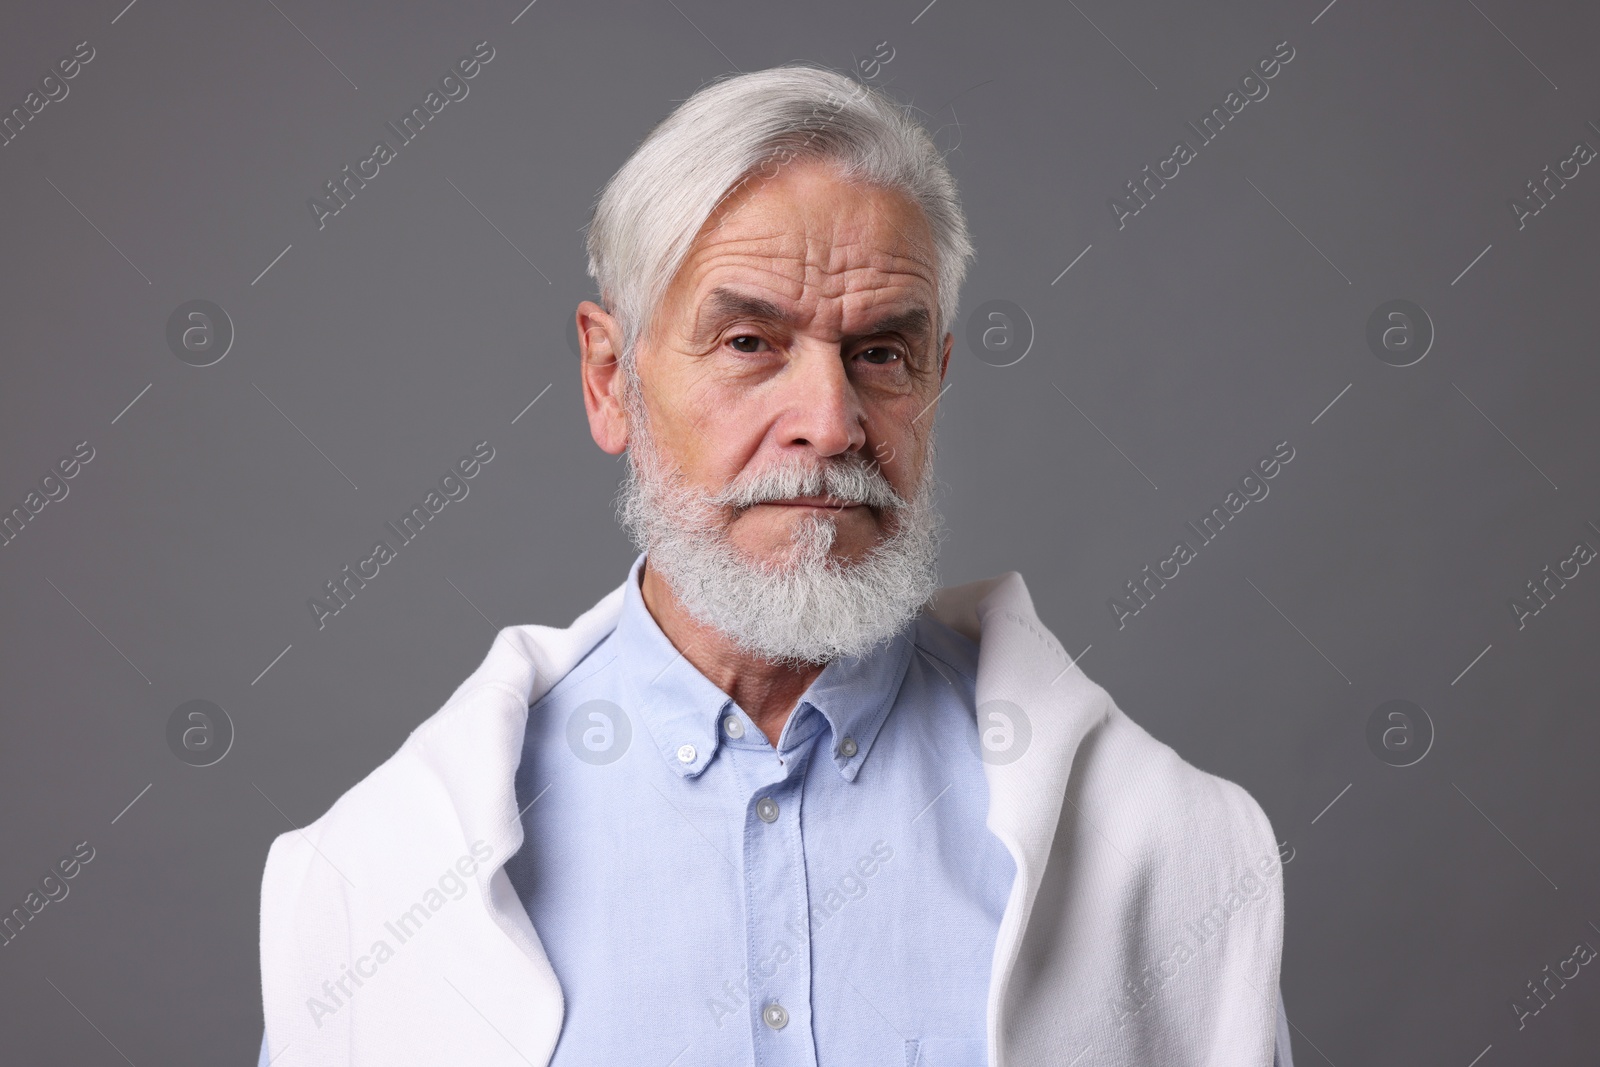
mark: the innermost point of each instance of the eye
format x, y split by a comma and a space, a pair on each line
879, 354
747, 343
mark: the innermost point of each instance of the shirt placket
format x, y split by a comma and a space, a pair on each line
778, 930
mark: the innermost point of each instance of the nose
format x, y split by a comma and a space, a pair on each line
822, 408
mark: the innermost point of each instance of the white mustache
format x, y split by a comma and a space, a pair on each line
852, 480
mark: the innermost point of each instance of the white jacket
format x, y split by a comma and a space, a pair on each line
1144, 925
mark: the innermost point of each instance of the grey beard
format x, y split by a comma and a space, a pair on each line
808, 608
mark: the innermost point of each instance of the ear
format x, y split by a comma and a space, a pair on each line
599, 345
944, 360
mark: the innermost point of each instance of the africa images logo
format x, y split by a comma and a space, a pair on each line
340, 591
453, 88
1253, 87
1253, 488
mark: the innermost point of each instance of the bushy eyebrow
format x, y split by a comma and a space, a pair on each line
722, 304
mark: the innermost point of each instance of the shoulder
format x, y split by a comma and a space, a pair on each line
455, 754
412, 796
394, 804
931, 637
1137, 783
1157, 781
1124, 760
591, 674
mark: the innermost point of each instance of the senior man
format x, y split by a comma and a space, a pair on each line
778, 799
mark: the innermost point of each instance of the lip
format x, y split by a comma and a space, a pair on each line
822, 502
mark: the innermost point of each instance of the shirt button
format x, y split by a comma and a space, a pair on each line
767, 808
847, 747
686, 754
775, 1016
733, 727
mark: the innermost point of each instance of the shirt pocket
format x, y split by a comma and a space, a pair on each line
947, 1052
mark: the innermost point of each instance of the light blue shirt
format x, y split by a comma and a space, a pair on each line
707, 899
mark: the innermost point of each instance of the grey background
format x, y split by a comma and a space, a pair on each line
1208, 329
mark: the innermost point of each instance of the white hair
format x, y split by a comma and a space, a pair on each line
741, 126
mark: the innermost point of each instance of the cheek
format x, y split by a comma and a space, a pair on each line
897, 442
711, 439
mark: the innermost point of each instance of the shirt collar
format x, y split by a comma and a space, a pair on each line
682, 709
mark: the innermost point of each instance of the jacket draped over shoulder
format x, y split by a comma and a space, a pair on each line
1144, 925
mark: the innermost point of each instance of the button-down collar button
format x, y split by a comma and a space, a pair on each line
733, 727
685, 753
775, 1016
767, 808
847, 747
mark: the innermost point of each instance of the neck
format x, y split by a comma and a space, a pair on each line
767, 691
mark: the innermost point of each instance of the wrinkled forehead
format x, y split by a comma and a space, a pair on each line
807, 238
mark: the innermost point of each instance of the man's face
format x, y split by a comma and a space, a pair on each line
800, 327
